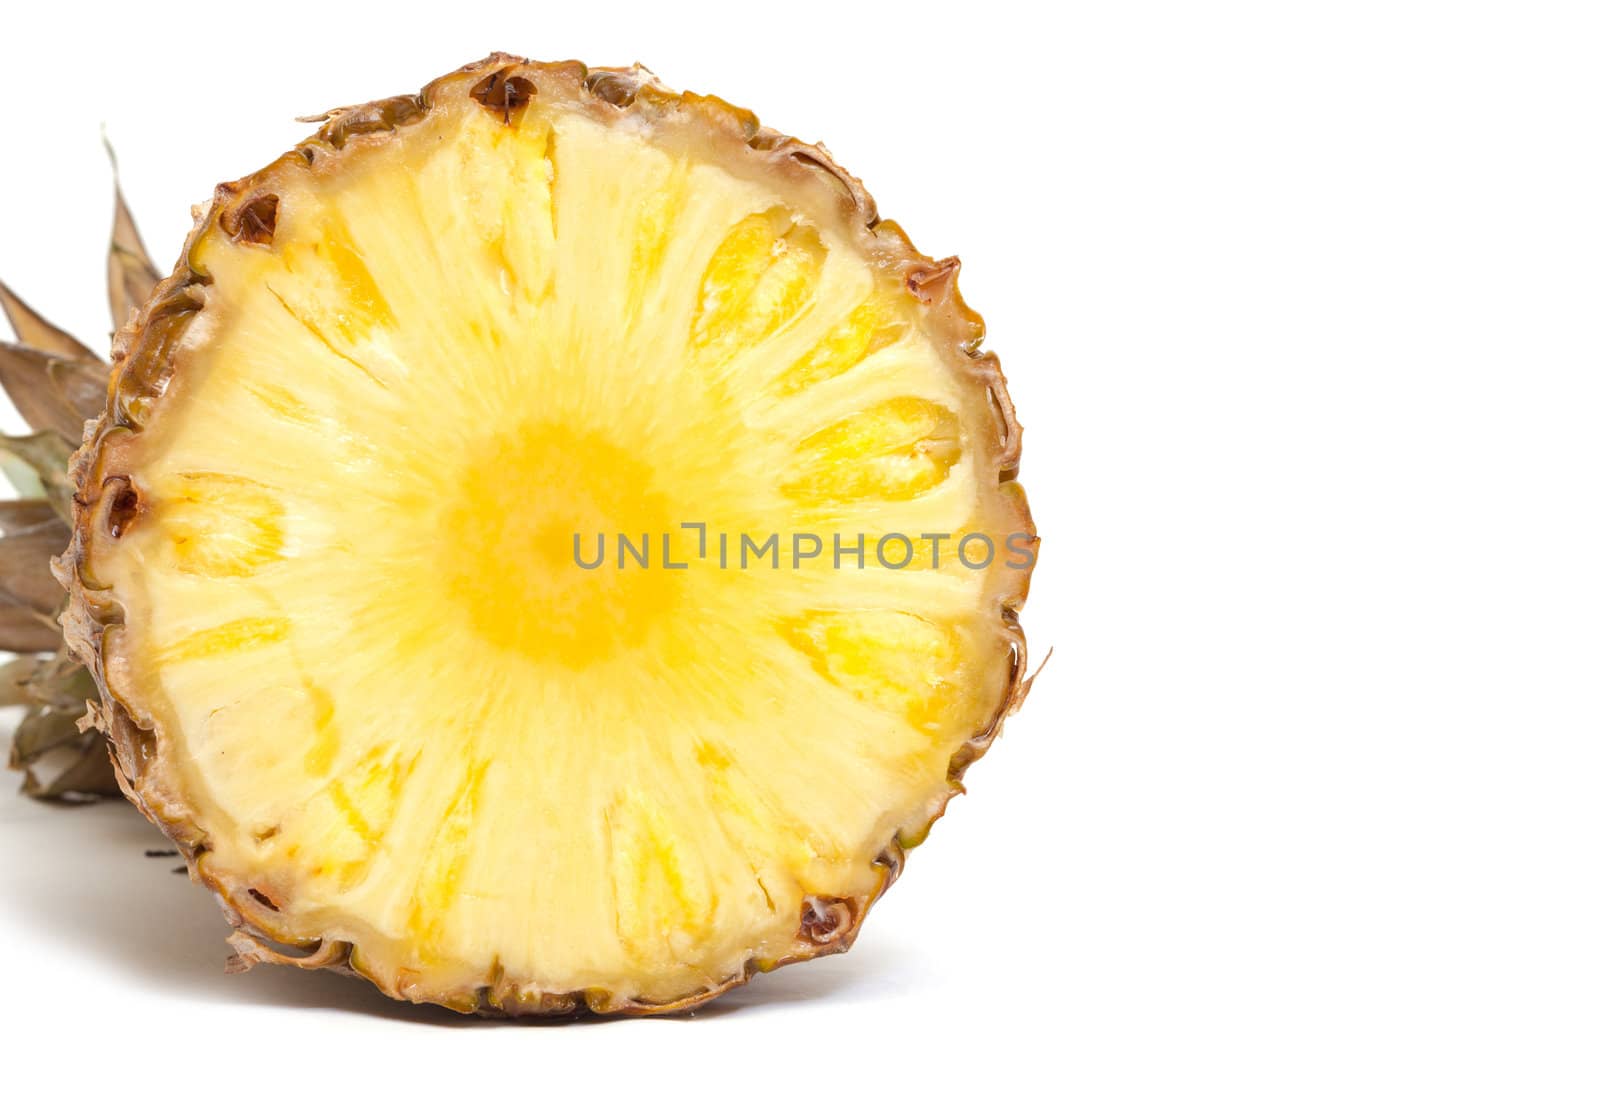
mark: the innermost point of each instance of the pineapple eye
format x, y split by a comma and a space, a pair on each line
253, 220
504, 95
519, 563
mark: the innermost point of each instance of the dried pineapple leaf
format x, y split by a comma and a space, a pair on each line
130, 274
25, 577
36, 383
81, 384
15, 677
45, 455
21, 516
22, 477
59, 683
37, 333
62, 683
85, 778
41, 731
55, 682
23, 630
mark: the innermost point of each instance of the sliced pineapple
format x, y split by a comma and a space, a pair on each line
331, 564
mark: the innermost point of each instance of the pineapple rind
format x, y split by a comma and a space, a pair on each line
143, 359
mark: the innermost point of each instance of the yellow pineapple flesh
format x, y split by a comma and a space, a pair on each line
328, 557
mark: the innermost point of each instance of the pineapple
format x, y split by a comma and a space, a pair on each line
549, 546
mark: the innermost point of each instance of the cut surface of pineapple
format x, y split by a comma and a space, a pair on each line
535, 553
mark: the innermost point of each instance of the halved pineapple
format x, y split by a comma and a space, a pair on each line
334, 564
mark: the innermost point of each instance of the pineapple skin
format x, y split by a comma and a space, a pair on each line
105, 502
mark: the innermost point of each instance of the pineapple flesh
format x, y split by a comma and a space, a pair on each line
326, 560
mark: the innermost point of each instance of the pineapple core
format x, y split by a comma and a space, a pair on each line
434, 377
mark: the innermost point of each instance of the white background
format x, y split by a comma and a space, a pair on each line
1298, 303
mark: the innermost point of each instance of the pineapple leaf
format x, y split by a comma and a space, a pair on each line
37, 463
86, 778
23, 630
130, 274
30, 514
15, 677
34, 331
81, 384
25, 577
41, 731
36, 382
63, 683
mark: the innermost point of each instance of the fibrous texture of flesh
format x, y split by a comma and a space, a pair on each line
324, 565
